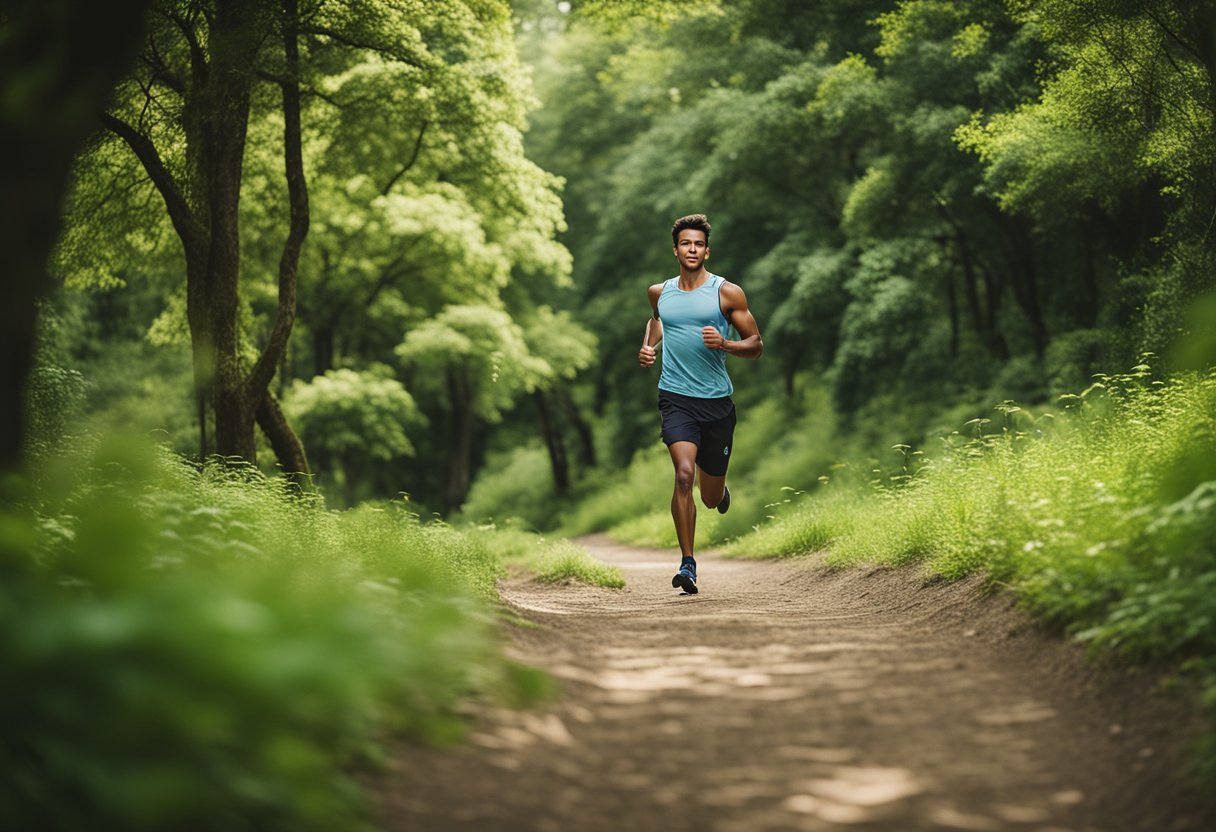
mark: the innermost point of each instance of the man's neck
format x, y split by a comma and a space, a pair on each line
693, 279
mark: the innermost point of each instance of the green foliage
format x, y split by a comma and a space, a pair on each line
810, 526
345, 412
477, 358
354, 423
644, 484
201, 649
516, 484
54, 396
557, 340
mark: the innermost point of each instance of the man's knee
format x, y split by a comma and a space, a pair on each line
685, 474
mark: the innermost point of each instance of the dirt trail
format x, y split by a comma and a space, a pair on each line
788, 697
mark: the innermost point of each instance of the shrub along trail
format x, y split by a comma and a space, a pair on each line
787, 696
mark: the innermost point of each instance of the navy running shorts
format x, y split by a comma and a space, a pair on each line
707, 423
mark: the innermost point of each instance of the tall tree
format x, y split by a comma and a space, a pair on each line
59, 60
206, 58
476, 362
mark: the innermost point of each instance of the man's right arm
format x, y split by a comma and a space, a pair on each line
654, 328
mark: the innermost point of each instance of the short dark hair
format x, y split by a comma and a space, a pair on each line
696, 221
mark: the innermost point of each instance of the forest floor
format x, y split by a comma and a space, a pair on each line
787, 696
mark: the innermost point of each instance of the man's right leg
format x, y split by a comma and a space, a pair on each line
684, 512
683, 507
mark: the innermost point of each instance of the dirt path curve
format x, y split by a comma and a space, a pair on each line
788, 697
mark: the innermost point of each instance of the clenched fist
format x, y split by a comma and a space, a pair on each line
646, 356
713, 339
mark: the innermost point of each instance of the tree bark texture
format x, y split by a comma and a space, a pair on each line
222, 128
54, 79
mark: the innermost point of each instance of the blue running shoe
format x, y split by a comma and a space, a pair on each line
724, 505
686, 578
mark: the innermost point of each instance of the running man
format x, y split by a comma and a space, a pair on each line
690, 314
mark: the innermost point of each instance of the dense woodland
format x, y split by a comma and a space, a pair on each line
411, 239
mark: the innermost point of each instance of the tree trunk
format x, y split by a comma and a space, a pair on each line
258, 381
971, 292
53, 95
286, 444
1090, 295
216, 109
952, 308
983, 316
554, 442
224, 123
992, 302
201, 411
202, 345
586, 437
1024, 279
463, 421
322, 349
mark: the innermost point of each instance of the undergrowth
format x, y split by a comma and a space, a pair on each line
206, 649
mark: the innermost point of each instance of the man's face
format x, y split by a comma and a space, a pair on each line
691, 248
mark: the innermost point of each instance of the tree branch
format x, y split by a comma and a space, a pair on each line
160, 68
297, 191
183, 218
1174, 36
355, 43
413, 158
198, 58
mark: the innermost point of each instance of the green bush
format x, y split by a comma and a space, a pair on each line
516, 484
204, 650
356, 425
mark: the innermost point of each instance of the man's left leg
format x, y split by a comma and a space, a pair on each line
713, 458
713, 489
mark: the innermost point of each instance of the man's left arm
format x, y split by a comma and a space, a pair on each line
750, 345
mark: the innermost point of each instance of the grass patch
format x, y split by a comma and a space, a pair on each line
549, 561
801, 526
566, 561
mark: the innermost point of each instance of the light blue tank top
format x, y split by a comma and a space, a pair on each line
689, 367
